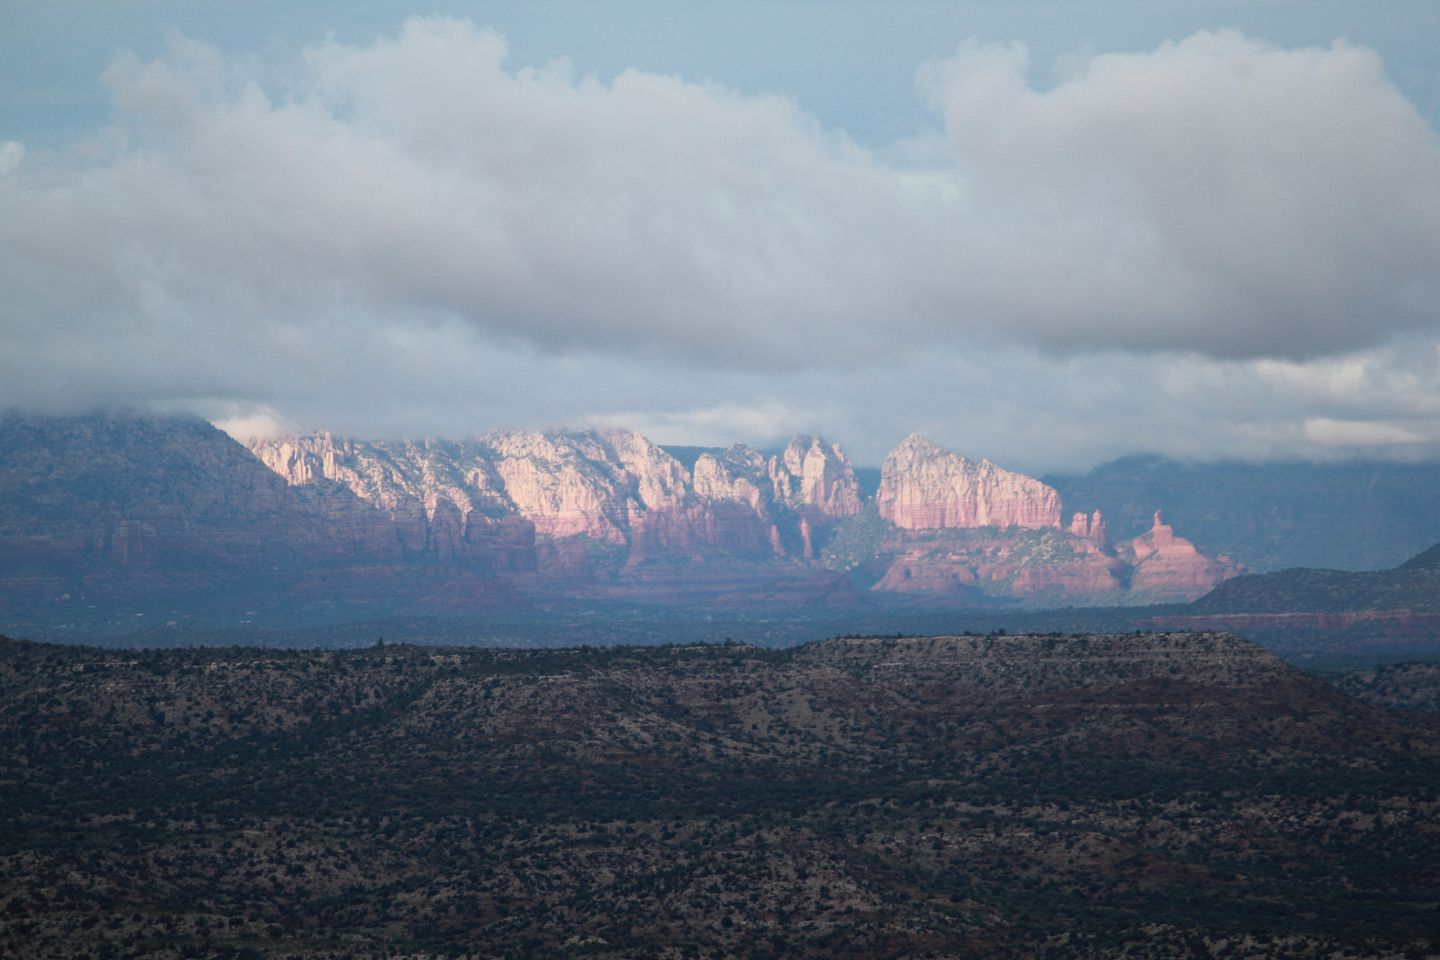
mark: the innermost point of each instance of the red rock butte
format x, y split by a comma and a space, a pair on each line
924, 487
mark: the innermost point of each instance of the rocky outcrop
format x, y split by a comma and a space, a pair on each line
607, 487
1170, 568
590, 512
607, 501
923, 487
1051, 566
815, 480
397, 477
1037, 566
566, 484
738, 473
1090, 528
444, 498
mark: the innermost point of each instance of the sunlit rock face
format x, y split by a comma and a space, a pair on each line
1007, 564
565, 484
815, 479
923, 487
600, 504
444, 497
1169, 567
1090, 527
612, 486
735, 484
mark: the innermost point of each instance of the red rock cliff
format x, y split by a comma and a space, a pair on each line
923, 487
1170, 568
815, 479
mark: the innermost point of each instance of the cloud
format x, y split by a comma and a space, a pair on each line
1216, 195
768, 423
11, 154
416, 236
1367, 433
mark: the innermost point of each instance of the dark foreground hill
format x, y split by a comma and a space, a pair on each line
1142, 795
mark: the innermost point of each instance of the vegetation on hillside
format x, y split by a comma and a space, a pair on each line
1146, 795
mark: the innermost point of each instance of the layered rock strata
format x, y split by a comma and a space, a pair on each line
815, 479
923, 487
444, 498
611, 486
1167, 566
130, 497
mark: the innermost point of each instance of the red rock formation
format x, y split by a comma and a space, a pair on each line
613, 486
1036, 565
736, 485
923, 487
1053, 566
565, 484
1090, 527
444, 498
168, 501
814, 479
619, 487
738, 473
1171, 568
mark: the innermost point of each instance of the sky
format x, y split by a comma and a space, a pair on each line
1046, 233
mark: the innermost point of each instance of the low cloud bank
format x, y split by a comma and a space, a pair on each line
414, 235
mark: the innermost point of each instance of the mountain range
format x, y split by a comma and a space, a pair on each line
110, 508
117, 524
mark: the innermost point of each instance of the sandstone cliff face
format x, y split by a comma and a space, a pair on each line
612, 500
610, 487
444, 498
1052, 566
396, 477
1171, 568
591, 511
667, 513
617, 486
1090, 528
566, 484
656, 480
1045, 565
735, 486
738, 474
814, 479
923, 487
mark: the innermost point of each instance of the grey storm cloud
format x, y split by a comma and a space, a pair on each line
419, 221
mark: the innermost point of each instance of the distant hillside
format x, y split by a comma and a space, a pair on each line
1350, 516
1413, 586
1326, 618
111, 495
1424, 560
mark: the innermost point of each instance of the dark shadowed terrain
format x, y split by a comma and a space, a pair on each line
1157, 795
